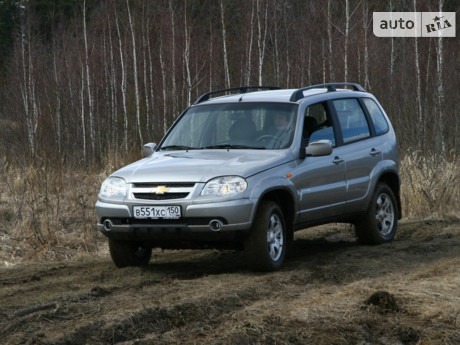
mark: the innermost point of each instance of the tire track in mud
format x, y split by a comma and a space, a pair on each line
187, 316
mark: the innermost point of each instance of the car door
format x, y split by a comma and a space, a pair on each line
320, 181
359, 149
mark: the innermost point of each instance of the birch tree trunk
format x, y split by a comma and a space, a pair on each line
58, 106
123, 86
88, 86
418, 97
152, 95
82, 108
173, 59
309, 63
440, 69
392, 64
136, 80
287, 22
261, 37
113, 92
251, 38
25, 98
224, 42
187, 57
329, 38
276, 63
347, 30
323, 54
163, 79
367, 84
210, 56
145, 68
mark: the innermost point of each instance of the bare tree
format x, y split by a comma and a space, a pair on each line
261, 36
173, 58
347, 32
163, 78
329, 38
187, 56
88, 86
136, 81
251, 38
123, 85
27, 96
418, 97
366, 23
224, 42
440, 70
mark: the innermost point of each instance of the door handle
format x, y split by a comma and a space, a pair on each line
337, 160
374, 152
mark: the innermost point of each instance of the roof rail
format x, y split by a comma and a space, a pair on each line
241, 89
298, 94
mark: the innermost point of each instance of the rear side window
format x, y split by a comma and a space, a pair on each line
352, 120
377, 117
317, 125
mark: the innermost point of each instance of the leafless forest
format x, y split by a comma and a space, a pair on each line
79, 99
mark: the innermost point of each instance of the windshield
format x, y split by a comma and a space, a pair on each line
234, 126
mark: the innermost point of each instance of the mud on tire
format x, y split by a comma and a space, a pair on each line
265, 246
380, 222
127, 253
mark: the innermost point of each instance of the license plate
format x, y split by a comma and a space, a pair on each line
157, 212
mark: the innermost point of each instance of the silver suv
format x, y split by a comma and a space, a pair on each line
247, 170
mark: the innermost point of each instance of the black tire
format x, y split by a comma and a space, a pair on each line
265, 246
128, 253
381, 220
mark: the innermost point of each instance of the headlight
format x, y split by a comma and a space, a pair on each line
114, 188
225, 186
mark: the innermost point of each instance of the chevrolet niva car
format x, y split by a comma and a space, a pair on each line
248, 169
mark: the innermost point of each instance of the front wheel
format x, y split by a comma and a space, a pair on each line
380, 223
265, 246
129, 253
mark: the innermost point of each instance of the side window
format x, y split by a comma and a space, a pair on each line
377, 117
317, 125
352, 119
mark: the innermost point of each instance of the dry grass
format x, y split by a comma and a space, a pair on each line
47, 210
430, 186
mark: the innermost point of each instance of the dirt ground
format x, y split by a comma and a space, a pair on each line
330, 291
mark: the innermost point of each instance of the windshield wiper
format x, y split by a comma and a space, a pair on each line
229, 146
179, 147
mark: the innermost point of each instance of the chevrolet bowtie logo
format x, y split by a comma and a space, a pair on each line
160, 190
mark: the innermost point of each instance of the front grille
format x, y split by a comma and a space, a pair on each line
166, 196
166, 184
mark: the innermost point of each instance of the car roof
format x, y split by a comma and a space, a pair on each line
282, 95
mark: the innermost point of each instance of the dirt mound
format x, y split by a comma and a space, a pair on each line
383, 300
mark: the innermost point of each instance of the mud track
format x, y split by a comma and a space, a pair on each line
330, 291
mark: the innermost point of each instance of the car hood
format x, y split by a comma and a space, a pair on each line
202, 165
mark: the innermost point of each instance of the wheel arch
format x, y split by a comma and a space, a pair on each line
285, 200
393, 181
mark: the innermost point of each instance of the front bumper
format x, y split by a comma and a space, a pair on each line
235, 215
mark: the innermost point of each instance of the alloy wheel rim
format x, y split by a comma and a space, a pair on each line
384, 214
275, 237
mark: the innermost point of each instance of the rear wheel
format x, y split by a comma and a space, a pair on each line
129, 253
265, 246
380, 223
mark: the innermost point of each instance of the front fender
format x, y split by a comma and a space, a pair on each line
272, 184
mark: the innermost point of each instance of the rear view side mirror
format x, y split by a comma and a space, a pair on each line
319, 148
148, 149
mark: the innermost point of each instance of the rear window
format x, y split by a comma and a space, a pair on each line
352, 119
377, 117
